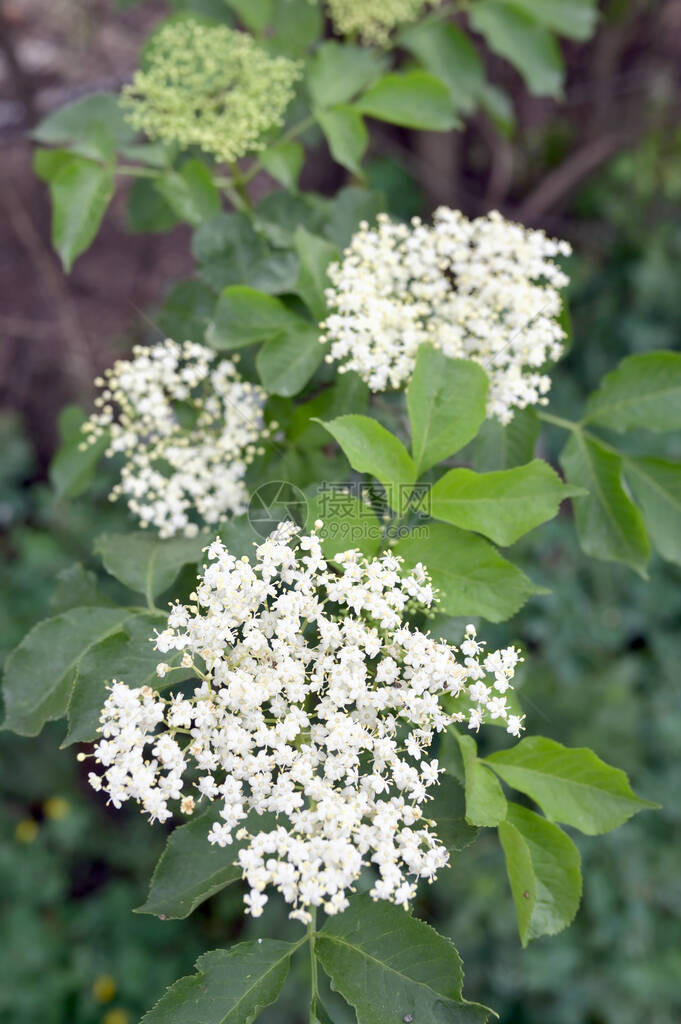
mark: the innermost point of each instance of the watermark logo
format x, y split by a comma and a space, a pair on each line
275, 502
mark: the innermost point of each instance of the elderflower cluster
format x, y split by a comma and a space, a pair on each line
188, 426
371, 21
484, 289
317, 707
209, 86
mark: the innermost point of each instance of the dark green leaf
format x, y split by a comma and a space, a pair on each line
448, 810
147, 210
76, 588
287, 361
338, 71
73, 468
146, 563
644, 391
244, 316
503, 447
187, 311
297, 25
230, 251
284, 162
315, 256
93, 126
348, 523
609, 525
346, 134
573, 18
656, 484
504, 505
39, 673
347, 209
543, 868
571, 785
232, 986
190, 192
412, 99
254, 14
514, 35
472, 577
348, 394
391, 967
446, 399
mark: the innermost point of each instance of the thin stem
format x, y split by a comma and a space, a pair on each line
558, 421
314, 984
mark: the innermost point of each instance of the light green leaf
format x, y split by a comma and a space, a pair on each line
287, 361
370, 448
543, 868
128, 656
503, 447
297, 25
504, 505
348, 394
39, 673
412, 99
190, 869
146, 563
93, 126
571, 785
73, 468
256, 15
656, 484
348, 523
232, 986
448, 810
391, 967
244, 316
315, 256
644, 391
448, 53
523, 42
338, 71
573, 18
284, 162
80, 192
485, 801
446, 399
472, 577
190, 192
609, 525
346, 134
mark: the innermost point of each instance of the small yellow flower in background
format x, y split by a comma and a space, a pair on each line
373, 21
56, 808
116, 1016
209, 86
104, 989
26, 831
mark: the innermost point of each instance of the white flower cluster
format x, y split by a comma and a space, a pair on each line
318, 704
483, 289
188, 426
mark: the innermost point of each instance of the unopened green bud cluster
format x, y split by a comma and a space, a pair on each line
209, 86
373, 22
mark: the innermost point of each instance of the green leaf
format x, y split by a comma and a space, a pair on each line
146, 563
448, 810
347, 209
190, 870
187, 311
503, 447
644, 391
485, 801
148, 211
338, 71
315, 256
446, 399
76, 588
656, 484
244, 316
573, 18
284, 162
93, 126
80, 192
448, 53
514, 35
498, 106
412, 99
391, 967
73, 468
571, 785
609, 525
504, 505
346, 134
229, 250
190, 192
256, 15
297, 25
348, 523
39, 673
370, 448
287, 361
543, 868
128, 656
472, 577
348, 394
232, 986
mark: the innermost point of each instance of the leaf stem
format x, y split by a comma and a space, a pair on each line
314, 984
558, 421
